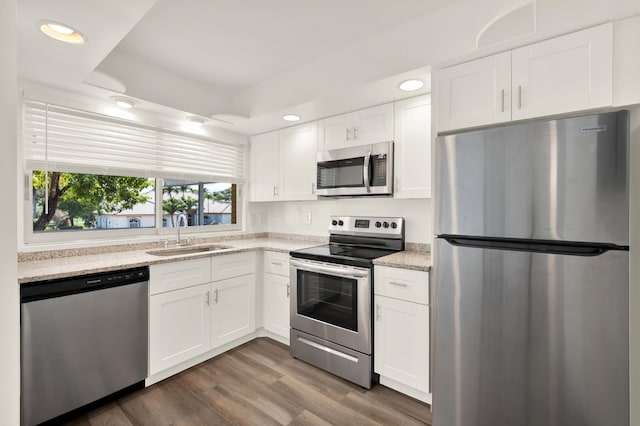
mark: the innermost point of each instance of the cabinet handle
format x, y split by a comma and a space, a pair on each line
502, 99
313, 188
288, 290
378, 315
207, 301
348, 130
355, 133
520, 97
215, 295
275, 190
397, 183
398, 284
276, 263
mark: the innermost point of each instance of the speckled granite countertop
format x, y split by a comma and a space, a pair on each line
41, 266
416, 260
68, 266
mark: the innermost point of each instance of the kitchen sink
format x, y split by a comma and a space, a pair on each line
173, 251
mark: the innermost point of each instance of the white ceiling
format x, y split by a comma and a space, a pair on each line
261, 58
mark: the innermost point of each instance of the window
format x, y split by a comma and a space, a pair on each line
77, 201
90, 172
203, 203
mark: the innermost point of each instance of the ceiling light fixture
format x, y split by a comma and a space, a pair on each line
411, 85
123, 102
62, 32
198, 121
291, 117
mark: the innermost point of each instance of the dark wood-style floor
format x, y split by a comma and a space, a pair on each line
258, 383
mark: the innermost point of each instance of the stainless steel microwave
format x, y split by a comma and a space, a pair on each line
358, 170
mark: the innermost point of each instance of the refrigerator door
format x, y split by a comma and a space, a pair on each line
564, 179
530, 339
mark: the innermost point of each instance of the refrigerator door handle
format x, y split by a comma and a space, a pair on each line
536, 246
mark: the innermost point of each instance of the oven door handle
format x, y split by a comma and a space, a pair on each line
338, 272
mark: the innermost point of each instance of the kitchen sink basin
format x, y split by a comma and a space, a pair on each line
173, 251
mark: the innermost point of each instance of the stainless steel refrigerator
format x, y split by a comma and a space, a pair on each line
531, 274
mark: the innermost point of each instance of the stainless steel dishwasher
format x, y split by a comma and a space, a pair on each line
82, 338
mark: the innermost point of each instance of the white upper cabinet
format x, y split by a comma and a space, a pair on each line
475, 93
564, 74
263, 160
298, 146
412, 156
568, 73
362, 127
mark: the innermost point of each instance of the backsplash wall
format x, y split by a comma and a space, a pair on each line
289, 217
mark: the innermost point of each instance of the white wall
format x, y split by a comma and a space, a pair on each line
288, 217
9, 299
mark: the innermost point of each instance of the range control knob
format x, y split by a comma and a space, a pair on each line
385, 224
378, 224
394, 225
340, 223
334, 222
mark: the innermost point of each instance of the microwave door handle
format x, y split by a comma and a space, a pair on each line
365, 171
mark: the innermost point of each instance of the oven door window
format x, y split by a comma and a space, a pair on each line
341, 173
328, 298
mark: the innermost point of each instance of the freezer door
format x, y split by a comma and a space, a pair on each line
564, 179
530, 339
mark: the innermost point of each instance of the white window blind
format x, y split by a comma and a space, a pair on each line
63, 139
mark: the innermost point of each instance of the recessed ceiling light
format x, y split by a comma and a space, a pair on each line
62, 32
123, 102
291, 117
410, 85
198, 121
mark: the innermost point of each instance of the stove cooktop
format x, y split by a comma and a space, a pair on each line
343, 254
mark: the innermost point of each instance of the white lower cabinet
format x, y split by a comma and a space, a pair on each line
197, 306
233, 310
179, 326
402, 342
402, 330
276, 292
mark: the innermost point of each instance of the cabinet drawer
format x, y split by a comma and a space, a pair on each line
173, 276
232, 265
403, 284
276, 263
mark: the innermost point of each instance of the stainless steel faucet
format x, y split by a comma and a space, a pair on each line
182, 217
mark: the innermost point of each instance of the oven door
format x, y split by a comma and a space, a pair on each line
332, 302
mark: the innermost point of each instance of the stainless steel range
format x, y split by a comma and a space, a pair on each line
332, 293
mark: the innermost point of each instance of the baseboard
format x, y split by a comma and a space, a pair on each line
407, 390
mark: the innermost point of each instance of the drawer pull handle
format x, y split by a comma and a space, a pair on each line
398, 284
288, 290
276, 263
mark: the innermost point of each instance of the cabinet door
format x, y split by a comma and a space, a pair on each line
298, 148
412, 150
475, 93
233, 309
373, 125
276, 304
334, 132
401, 343
564, 74
179, 326
263, 161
